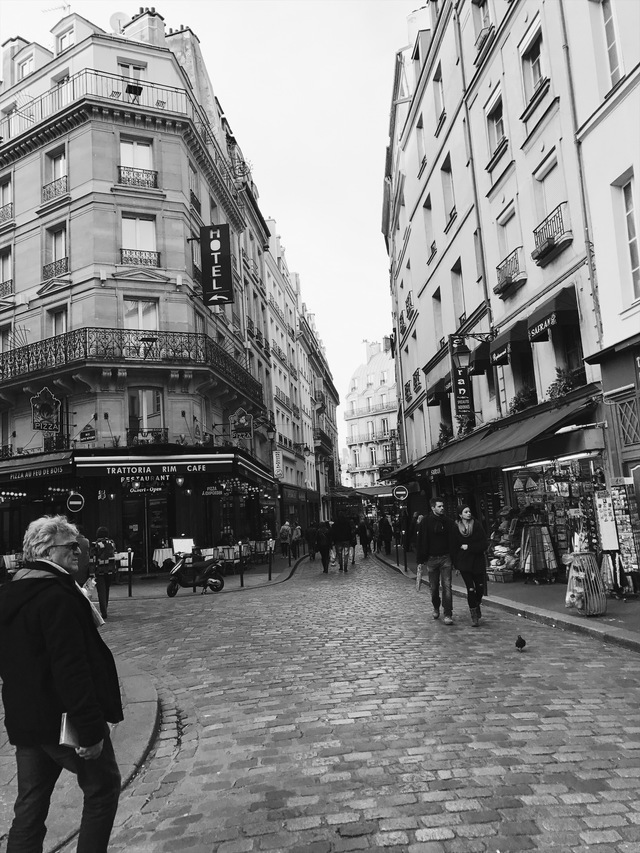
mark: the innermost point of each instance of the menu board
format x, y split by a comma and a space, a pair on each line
622, 513
606, 522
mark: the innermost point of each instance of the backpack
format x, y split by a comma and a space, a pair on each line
104, 549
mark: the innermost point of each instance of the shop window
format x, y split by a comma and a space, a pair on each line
572, 348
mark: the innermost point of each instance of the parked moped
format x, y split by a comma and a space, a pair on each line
206, 574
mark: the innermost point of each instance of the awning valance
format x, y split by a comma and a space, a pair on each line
437, 393
560, 310
480, 359
513, 340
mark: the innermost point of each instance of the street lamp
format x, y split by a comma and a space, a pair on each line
303, 447
271, 432
460, 352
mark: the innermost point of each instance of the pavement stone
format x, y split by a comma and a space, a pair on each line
332, 713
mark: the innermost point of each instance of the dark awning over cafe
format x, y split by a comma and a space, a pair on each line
437, 393
560, 310
480, 359
513, 340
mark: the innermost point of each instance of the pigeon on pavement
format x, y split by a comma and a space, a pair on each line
520, 643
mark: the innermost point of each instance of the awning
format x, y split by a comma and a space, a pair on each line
437, 393
508, 444
613, 350
514, 340
444, 456
480, 359
560, 310
402, 472
37, 466
585, 440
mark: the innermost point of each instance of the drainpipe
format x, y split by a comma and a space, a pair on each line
581, 181
474, 184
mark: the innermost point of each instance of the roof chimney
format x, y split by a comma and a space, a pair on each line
147, 27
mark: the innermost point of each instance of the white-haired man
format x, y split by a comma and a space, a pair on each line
54, 661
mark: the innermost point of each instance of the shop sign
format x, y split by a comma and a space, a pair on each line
241, 425
278, 469
502, 355
462, 392
217, 276
151, 468
45, 411
31, 473
212, 492
542, 326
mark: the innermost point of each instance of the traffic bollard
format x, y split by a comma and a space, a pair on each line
129, 569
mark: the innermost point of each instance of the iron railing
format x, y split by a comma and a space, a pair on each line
144, 435
55, 268
510, 267
391, 406
140, 257
551, 227
97, 345
6, 213
6, 288
137, 177
57, 441
55, 188
195, 201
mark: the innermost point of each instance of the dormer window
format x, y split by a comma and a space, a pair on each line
66, 40
25, 67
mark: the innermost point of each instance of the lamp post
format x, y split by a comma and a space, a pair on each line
461, 382
271, 436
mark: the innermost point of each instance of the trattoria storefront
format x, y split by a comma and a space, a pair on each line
145, 497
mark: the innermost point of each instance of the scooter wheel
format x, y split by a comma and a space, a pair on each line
172, 589
215, 583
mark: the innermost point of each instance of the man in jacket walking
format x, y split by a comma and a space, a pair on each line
54, 661
435, 545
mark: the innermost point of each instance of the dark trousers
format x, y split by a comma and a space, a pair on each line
475, 588
324, 556
387, 546
284, 547
103, 584
38, 770
440, 570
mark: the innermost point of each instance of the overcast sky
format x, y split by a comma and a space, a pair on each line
306, 86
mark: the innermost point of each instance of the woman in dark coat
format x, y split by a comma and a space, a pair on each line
469, 559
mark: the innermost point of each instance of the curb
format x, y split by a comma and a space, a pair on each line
575, 624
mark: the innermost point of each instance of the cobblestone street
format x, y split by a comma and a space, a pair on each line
332, 713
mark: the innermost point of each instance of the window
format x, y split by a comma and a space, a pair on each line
373, 455
495, 125
532, 67
199, 324
615, 69
572, 347
25, 67
438, 93
354, 385
457, 292
371, 429
428, 221
370, 379
6, 273
508, 238
61, 94
66, 40
139, 241
55, 252
57, 165
58, 321
447, 189
632, 236
383, 377
548, 188
384, 424
481, 16
194, 183
140, 314
136, 154
420, 143
383, 399
389, 455
145, 408
6, 200
131, 70
356, 457
436, 311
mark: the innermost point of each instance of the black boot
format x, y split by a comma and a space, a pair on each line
474, 617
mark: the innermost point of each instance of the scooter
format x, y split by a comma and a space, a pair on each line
188, 573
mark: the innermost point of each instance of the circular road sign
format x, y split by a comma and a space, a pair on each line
75, 502
401, 493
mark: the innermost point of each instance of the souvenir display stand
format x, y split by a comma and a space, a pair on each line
585, 587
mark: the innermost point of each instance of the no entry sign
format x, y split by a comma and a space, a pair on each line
75, 502
401, 493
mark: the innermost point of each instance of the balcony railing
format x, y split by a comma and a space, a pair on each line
115, 346
277, 309
137, 177
143, 435
510, 271
280, 353
6, 213
6, 451
282, 397
108, 88
57, 441
6, 288
55, 188
194, 201
551, 227
321, 438
140, 257
552, 235
55, 268
391, 406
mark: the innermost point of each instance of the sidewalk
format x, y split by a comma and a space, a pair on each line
132, 738
545, 603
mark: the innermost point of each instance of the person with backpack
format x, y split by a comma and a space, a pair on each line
285, 538
103, 553
322, 545
296, 539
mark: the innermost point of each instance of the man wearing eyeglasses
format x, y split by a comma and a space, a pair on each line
53, 660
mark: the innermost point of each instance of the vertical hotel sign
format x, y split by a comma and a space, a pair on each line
462, 393
217, 278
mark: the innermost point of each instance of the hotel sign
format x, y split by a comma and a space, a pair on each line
217, 276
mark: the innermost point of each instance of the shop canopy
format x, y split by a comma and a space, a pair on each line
448, 454
400, 474
480, 359
560, 310
514, 340
437, 393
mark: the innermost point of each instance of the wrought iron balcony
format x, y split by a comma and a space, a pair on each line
322, 441
57, 441
55, 268
140, 257
250, 327
144, 435
552, 236
6, 451
6, 213
137, 177
118, 346
55, 188
511, 274
6, 288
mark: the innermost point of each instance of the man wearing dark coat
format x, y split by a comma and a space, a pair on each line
54, 661
435, 547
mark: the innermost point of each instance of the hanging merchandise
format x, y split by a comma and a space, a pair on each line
606, 522
585, 588
622, 511
537, 557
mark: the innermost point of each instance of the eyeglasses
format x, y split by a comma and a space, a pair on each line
72, 546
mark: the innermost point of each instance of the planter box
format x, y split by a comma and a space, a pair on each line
500, 577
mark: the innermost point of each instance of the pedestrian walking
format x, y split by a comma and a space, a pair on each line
296, 539
54, 661
341, 538
322, 544
386, 533
103, 554
310, 535
285, 538
364, 536
435, 546
469, 559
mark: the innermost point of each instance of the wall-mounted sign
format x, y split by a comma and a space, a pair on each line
278, 469
217, 276
88, 433
45, 411
241, 425
462, 392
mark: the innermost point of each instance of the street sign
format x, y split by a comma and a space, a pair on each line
401, 493
75, 502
